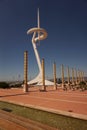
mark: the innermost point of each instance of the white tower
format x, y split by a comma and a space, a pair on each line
38, 35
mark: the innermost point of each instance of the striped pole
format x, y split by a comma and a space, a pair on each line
76, 77
79, 78
72, 76
25, 71
54, 70
83, 76
62, 72
43, 76
68, 75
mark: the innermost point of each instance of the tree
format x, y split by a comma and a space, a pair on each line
82, 85
4, 85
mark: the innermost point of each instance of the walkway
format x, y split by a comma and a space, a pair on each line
70, 103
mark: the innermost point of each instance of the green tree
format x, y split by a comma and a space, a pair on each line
82, 85
4, 85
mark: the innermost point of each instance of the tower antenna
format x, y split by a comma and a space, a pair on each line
38, 19
38, 24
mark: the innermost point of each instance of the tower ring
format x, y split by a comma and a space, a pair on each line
42, 33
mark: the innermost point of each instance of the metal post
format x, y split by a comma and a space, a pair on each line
72, 76
54, 70
25, 71
68, 75
62, 71
76, 77
83, 76
79, 76
43, 75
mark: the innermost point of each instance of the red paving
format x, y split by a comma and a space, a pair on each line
73, 101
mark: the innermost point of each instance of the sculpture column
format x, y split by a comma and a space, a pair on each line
54, 70
43, 76
68, 75
62, 71
83, 76
25, 71
76, 77
79, 77
72, 76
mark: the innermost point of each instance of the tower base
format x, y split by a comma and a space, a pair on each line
38, 81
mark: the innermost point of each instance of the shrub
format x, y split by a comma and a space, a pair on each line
16, 85
82, 85
4, 85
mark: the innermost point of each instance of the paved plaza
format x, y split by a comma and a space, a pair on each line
71, 103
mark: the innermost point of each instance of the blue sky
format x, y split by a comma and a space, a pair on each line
66, 24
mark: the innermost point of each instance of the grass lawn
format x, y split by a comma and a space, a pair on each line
58, 121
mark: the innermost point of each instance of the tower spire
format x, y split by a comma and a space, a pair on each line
38, 35
38, 19
38, 23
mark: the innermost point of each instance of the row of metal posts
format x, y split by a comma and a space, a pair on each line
75, 79
77, 76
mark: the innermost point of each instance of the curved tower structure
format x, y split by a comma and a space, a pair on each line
38, 35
